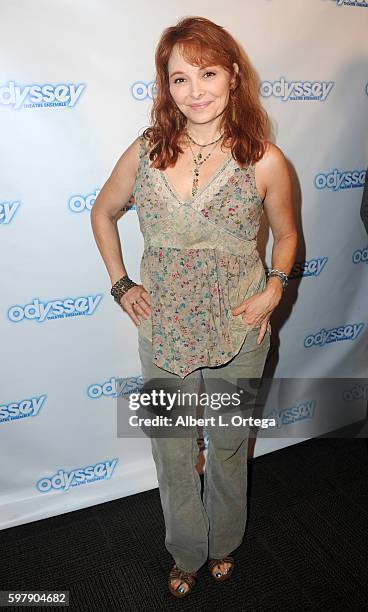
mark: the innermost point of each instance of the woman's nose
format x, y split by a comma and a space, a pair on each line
196, 90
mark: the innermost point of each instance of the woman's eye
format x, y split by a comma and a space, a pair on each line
182, 78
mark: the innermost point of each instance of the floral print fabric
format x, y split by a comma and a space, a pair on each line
199, 261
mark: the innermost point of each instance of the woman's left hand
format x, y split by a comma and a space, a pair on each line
257, 309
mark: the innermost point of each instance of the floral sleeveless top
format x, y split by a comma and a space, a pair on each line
200, 260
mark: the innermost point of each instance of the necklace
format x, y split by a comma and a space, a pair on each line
205, 145
199, 160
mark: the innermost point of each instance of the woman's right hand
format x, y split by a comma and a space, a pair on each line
136, 301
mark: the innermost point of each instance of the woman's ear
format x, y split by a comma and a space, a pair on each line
236, 70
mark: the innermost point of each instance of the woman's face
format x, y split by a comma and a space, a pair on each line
200, 93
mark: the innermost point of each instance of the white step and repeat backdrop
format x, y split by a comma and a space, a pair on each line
77, 79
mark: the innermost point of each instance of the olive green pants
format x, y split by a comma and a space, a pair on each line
212, 527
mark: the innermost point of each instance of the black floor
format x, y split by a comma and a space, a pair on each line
306, 544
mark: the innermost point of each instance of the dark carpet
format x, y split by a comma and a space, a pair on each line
305, 546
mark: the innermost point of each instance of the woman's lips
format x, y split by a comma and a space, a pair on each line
199, 106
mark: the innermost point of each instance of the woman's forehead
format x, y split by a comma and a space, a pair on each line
191, 55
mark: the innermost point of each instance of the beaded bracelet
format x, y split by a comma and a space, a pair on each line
121, 286
279, 274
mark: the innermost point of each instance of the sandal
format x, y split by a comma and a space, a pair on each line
201, 444
190, 578
219, 576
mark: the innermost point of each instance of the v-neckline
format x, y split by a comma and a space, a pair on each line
175, 193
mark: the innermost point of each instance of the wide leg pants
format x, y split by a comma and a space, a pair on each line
212, 527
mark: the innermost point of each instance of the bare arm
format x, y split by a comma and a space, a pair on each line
280, 213
107, 208
113, 196
273, 174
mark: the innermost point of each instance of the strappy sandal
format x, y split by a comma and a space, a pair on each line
190, 578
201, 444
222, 575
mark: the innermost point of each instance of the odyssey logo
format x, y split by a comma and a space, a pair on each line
40, 95
362, 3
64, 480
340, 179
7, 211
325, 336
54, 309
292, 414
79, 203
296, 90
115, 387
141, 90
313, 267
28, 407
360, 256
358, 392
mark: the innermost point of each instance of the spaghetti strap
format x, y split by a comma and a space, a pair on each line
142, 146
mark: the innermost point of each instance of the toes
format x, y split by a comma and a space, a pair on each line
179, 586
219, 571
222, 569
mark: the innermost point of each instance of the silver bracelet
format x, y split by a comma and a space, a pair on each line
279, 274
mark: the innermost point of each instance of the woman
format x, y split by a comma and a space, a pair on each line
201, 175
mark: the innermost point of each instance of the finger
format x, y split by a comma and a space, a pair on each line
262, 332
133, 316
129, 310
141, 310
238, 309
144, 304
242, 307
146, 296
251, 322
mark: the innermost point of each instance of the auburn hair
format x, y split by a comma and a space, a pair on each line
204, 43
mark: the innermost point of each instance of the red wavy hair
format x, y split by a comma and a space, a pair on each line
204, 43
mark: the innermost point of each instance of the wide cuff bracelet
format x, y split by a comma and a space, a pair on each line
121, 286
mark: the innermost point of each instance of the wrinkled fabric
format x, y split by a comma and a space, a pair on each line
200, 260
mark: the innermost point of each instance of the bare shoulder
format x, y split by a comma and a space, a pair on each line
272, 168
273, 157
128, 162
118, 189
